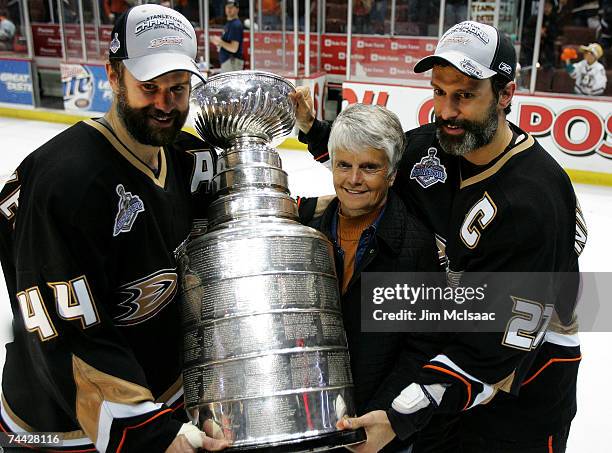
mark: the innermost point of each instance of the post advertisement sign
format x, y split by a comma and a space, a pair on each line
576, 131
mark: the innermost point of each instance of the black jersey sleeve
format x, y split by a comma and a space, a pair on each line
307, 207
59, 285
473, 367
316, 139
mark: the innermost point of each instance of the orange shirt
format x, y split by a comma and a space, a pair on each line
271, 7
348, 235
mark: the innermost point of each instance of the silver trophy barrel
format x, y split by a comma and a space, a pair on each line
266, 362
254, 203
303, 421
270, 375
235, 156
250, 176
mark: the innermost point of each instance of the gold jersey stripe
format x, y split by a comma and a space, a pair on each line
131, 158
94, 387
522, 146
165, 397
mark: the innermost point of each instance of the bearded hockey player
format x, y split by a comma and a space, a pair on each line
498, 202
88, 226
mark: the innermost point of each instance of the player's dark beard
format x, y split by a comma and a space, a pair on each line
136, 122
476, 133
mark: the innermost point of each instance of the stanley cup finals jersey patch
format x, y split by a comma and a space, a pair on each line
429, 171
129, 208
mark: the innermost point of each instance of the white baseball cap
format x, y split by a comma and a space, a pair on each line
594, 48
479, 51
153, 40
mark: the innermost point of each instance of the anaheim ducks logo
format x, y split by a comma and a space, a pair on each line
146, 297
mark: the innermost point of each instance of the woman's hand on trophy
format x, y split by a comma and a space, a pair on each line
190, 440
377, 427
304, 111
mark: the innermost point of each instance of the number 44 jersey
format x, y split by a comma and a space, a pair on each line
87, 240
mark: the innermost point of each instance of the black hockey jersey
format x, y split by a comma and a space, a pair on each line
517, 214
87, 240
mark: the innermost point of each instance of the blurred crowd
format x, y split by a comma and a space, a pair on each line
575, 39
576, 36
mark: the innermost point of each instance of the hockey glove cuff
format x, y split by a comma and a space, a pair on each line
414, 407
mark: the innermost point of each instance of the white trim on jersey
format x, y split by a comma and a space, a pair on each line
562, 339
174, 397
110, 411
487, 390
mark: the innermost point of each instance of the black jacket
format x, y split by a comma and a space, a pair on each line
400, 243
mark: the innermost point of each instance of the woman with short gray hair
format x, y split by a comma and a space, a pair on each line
364, 126
371, 232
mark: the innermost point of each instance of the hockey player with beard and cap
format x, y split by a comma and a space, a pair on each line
498, 202
89, 223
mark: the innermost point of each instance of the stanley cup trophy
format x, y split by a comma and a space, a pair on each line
266, 363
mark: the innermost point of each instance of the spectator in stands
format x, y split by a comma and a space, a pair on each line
564, 10
39, 11
230, 43
455, 11
378, 16
70, 10
584, 13
361, 16
423, 17
189, 9
7, 31
14, 11
114, 8
590, 75
301, 10
550, 31
271, 12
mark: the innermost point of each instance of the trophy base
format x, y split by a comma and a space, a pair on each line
319, 443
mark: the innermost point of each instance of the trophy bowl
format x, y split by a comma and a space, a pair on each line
244, 104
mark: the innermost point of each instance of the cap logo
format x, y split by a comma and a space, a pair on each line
454, 40
166, 41
472, 29
157, 21
469, 67
115, 44
505, 68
